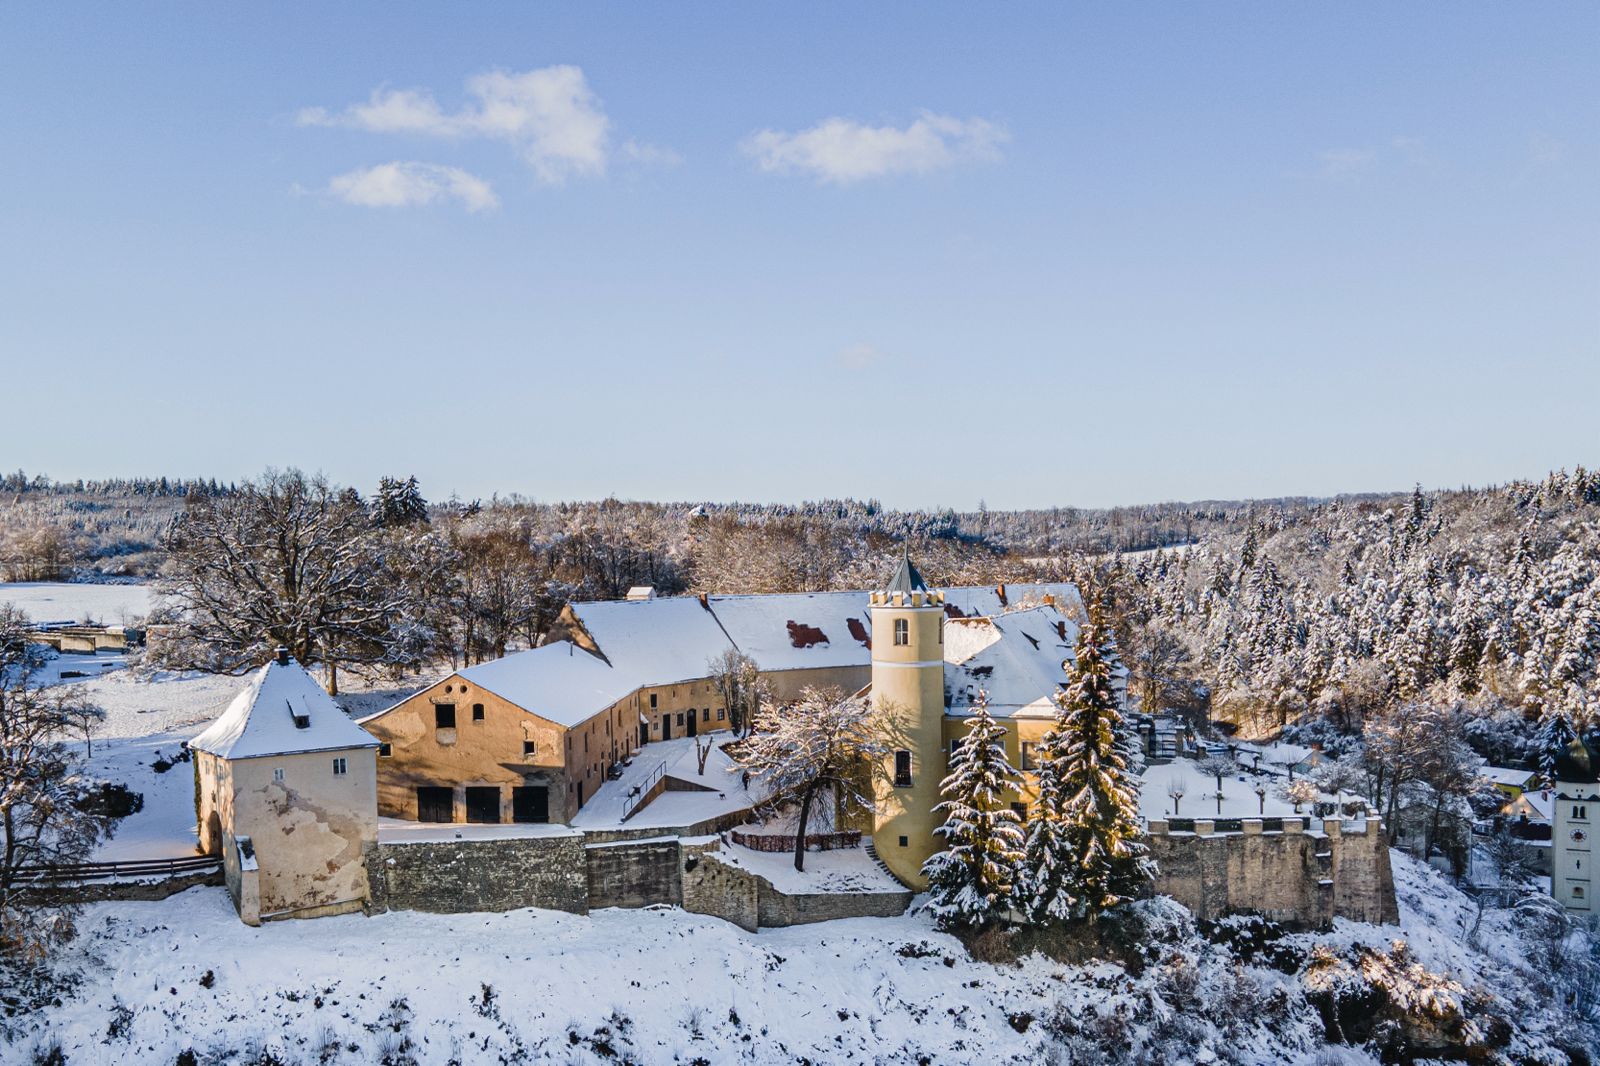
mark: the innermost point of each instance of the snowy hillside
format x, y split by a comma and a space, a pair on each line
154, 980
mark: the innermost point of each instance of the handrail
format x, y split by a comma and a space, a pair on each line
637, 799
94, 871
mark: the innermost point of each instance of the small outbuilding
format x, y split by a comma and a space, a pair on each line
286, 795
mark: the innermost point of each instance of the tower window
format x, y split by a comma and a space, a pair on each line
902, 632
902, 769
1580, 812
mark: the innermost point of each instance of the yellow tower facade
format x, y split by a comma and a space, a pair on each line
908, 692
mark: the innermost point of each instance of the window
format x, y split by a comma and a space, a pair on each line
904, 841
1021, 811
955, 748
530, 747
705, 714
477, 712
652, 701
1580, 812
339, 767
902, 631
722, 712
902, 769
277, 773
385, 750
1577, 891
444, 716
1027, 755
680, 717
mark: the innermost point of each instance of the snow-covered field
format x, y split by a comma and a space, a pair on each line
59, 601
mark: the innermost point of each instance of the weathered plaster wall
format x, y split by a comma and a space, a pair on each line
309, 829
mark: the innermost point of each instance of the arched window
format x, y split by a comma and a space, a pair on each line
902, 631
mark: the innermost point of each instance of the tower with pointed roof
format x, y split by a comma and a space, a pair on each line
908, 690
286, 796
1573, 824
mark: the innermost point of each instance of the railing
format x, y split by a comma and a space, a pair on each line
67, 873
641, 793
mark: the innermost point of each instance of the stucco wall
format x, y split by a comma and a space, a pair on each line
309, 828
908, 689
503, 874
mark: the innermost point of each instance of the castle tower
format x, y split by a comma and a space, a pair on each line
908, 690
1575, 818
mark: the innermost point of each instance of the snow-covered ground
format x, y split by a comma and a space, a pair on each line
663, 986
1239, 799
840, 870
164, 827
725, 793
60, 601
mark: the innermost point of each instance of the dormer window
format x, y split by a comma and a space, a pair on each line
300, 714
902, 632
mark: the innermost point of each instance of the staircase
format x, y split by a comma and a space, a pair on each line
872, 851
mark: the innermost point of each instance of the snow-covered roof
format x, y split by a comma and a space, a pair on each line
1536, 806
1505, 775
798, 631
1018, 658
985, 601
659, 641
559, 682
282, 711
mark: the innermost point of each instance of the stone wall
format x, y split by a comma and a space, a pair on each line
500, 874
1292, 876
711, 886
634, 873
775, 909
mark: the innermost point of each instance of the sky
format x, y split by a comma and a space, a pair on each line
932, 254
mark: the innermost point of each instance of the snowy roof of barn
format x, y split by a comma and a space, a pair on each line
1536, 806
659, 641
559, 682
986, 601
807, 630
281, 711
1018, 658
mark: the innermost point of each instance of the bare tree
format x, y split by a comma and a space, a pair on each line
1218, 766
287, 560
43, 819
744, 691
822, 741
84, 715
1177, 788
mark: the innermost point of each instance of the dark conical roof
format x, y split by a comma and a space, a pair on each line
906, 579
1577, 764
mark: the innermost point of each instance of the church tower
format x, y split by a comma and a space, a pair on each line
1577, 810
908, 691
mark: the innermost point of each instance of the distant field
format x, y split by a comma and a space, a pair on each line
55, 601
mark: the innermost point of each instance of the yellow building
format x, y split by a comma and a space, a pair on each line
925, 679
285, 795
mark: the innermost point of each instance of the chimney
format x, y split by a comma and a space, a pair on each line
1001, 592
283, 655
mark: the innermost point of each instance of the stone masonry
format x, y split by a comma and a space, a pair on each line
501, 874
1293, 876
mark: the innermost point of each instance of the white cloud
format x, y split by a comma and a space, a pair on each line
840, 151
1346, 162
412, 184
549, 116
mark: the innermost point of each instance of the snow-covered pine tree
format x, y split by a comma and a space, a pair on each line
399, 503
1100, 809
973, 880
1046, 859
1555, 736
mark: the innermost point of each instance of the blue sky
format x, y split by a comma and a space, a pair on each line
1095, 254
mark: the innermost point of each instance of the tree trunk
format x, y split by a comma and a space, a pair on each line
800, 829
333, 678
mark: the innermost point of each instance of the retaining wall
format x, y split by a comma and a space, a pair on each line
500, 874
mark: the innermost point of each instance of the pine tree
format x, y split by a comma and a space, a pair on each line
1100, 811
973, 880
1555, 736
1046, 858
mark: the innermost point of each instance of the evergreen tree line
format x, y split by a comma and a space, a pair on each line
1081, 853
1485, 601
